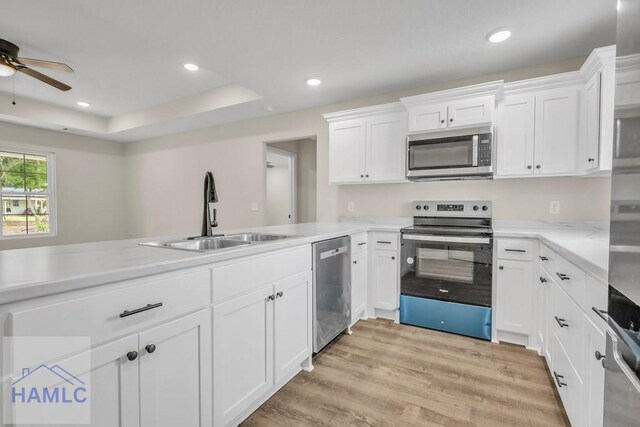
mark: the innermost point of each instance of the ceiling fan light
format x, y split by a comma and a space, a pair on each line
6, 70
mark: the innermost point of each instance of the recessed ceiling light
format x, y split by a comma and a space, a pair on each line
499, 35
191, 67
83, 104
314, 81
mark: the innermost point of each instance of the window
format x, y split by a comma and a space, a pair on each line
26, 193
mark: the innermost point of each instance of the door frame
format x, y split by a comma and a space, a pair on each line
293, 164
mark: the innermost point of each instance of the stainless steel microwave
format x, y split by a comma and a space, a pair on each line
461, 154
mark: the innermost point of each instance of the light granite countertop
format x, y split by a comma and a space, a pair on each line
34, 272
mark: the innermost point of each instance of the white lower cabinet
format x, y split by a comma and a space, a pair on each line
514, 296
358, 285
258, 339
594, 374
175, 373
385, 286
114, 384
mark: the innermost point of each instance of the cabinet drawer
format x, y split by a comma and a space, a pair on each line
113, 313
571, 279
567, 322
596, 295
567, 381
515, 249
385, 241
547, 258
247, 274
358, 243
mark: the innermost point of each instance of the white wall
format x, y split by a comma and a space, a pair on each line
90, 185
235, 152
277, 203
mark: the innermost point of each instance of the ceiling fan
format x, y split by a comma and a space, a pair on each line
10, 62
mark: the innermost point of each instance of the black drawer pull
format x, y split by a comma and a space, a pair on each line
563, 276
543, 258
362, 243
561, 322
558, 378
543, 280
140, 310
383, 241
515, 250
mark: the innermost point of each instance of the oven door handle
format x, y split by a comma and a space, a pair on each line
446, 239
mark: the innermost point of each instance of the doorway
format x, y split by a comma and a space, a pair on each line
290, 181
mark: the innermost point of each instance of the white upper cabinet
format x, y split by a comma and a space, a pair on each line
595, 153
367, 145
469, 106
538, 127
556, 131
347, 142
515, 135
471, 112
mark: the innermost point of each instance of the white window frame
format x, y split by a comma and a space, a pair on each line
51, 193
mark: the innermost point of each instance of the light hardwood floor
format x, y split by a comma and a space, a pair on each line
387, 374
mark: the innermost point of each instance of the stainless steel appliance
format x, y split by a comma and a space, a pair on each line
331, 290
447, 258
461, 154
622, 360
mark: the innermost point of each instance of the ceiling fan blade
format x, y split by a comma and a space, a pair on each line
58, 66
45, 79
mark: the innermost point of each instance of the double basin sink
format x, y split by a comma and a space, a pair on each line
217, 242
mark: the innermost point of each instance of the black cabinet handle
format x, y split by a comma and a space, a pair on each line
515, 250
150, 348
561, 322
362, 243
132, 355
442, 121
393, 257
590, 159
599, 356
538, 167
279, 294
529, 167
501, 268
558, 378
450, 120
543, 280
140, 310
355, 262
271, 298
543, 258
563, 276
383, 242
601, 313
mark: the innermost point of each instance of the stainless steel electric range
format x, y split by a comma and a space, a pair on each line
447, 258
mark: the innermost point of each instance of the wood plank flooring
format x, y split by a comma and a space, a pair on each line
387, 374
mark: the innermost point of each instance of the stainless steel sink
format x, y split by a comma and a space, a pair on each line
203, 244
257, 237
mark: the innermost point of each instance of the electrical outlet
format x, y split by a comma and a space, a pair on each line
554, 207
351, 207
254, 206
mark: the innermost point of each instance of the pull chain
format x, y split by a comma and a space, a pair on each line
13, 81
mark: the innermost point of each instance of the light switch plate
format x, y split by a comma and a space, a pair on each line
254, 206
351, 207
554, 207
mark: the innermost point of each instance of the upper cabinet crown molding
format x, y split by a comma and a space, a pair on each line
358, 113
554, 81
602, 56
482, 89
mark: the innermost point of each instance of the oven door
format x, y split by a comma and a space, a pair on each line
448, 268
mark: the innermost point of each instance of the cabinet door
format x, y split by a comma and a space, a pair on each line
175, 373
515, 135
556, 132
358, 285
386, 148
347, 141
594, 381
427, 117
515, 292
469, 112
242, 353
590, 158
114, 385
385, 279
292, 333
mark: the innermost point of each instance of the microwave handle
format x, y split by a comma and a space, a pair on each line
475, 150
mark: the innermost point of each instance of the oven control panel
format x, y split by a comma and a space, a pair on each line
468, 209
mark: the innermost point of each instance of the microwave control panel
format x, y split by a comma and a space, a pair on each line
484, 150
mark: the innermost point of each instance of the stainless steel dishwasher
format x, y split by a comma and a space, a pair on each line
331, 290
